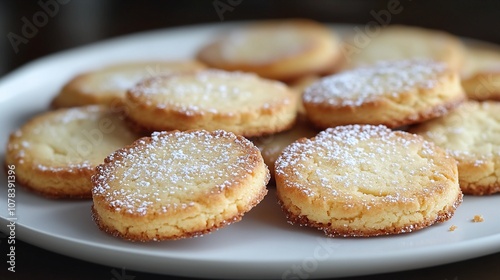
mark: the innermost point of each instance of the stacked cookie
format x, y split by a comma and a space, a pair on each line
176, 149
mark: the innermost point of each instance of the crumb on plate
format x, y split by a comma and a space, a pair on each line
478, 219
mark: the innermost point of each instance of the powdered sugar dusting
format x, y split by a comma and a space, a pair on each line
172, 170
91, 112
121, 81
371, 163
71, 167
366, 84
470, 133
211, 91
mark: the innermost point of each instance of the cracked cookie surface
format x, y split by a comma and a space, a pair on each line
471, 134
364, 180
175, 185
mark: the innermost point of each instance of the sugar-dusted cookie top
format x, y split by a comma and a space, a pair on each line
392, 93
239, 102
178, 184
364, 180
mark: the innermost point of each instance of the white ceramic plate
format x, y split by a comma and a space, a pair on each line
262, 245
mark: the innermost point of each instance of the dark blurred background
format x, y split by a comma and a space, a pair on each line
32, 29
55, 25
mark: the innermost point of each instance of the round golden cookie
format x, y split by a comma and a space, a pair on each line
392, 93
471, 134
55, 153
175, 185
276, 49
481, 74
364, 180
397, 42
238, 102
109, 84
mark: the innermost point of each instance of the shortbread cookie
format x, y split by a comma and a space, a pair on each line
392, 93
55, 153
397, 42
108, 85
238, 102
481, 74
364, 180
176, 185
276, 49
471, 134
272, 145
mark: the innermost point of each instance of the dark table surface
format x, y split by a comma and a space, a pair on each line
69, 24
